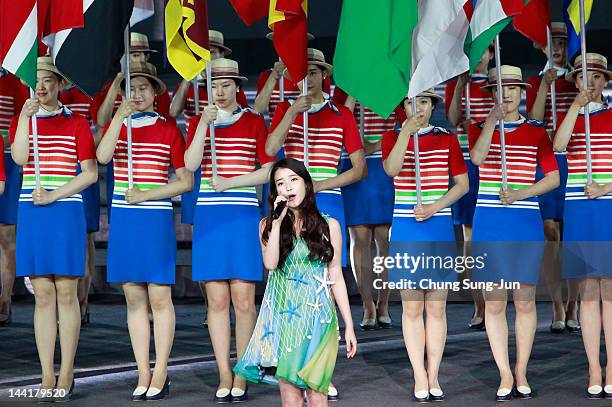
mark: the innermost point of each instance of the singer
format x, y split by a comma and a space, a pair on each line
295, 341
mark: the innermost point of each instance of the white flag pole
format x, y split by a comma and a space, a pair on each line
196, 96
500, 102
128, 95
553, 87
585, 85
417, 160
305, 120
213, 148
35, 142
468, 102
281, 86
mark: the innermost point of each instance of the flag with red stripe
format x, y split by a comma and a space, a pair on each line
288, 20
532, 22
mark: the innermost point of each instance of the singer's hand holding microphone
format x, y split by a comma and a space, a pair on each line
280, 209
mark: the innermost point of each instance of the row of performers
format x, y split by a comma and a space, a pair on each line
142, 247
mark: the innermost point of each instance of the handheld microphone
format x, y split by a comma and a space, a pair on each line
279, 209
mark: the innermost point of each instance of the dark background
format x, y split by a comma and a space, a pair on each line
255, 53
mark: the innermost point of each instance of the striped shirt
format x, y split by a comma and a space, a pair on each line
439, 159
374, 126
189, 108
527, 146
156, 144
291, 91
64, 140
239, 145
78, 102
12, 97
481, 103
162, 104
565, 94
601, 152
330, 129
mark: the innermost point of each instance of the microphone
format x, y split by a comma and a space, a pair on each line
279, 209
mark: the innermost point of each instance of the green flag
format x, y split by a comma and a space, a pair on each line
373, 51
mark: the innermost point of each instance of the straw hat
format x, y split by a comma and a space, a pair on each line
270, 36
316, 57
429, 93
510, 75
139, 43
595, 62
147, 70
216, 39
225, 68
558, 29
46, 64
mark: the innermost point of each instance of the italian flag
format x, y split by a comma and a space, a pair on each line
487, 18
19, 39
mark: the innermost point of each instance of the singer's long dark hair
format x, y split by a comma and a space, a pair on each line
315, 230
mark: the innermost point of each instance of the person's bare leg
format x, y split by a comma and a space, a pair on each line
497, 332
361, 262
316, 399
218, 294
477, 296
243, 300
435, 333
551, 269
413, 328
85, 282
7, 268
291, 396
45, 326
606, 298
381, 238
69, 327
202, 285
164, 322
137, 298
590, 320
525, 325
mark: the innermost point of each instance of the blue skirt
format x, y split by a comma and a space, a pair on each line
511, 241
142, 246
369, 201
552, 203
433, 239
91, 202
51, 239
330, 203
587, 238
9, 200
226, 242
189, 199
464, 208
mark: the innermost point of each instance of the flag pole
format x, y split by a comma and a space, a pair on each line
281, 86
213, 147
361, 121
553, 87
128, 95
196, 96
587, 118
468, 103
417, 159
502, 130
35, 142
305, 120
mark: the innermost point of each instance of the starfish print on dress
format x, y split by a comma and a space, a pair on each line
316, 306
298, 279
267, 332
324, 283
291, 311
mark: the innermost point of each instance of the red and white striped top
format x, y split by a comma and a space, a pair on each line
439, 157
189, 109
162, 104
239, 147
2, 170
374, 126
601, 152
481, 103
78, 102
156, 144
64, 140
13, 95
527, 146
329, 130
565, 93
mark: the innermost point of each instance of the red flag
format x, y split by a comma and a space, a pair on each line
55, 16
288, 20
532, 22
251, 11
